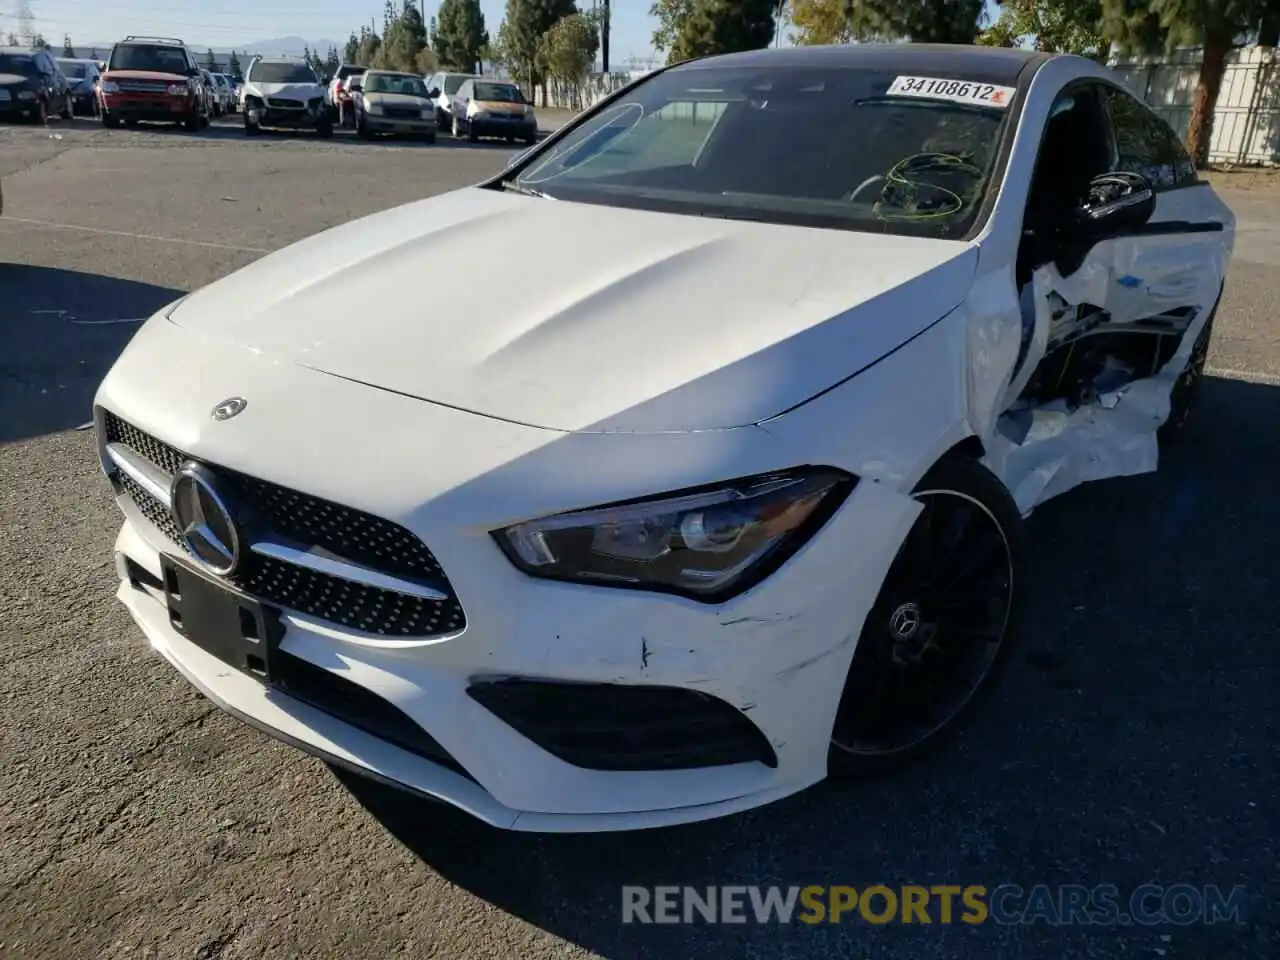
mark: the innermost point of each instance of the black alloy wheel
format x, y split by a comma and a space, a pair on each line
942, 626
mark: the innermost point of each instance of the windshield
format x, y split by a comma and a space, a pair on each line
394, 83
133, 56
500, 92
17, 63
72, 70
281, 73
831, 147
454, 82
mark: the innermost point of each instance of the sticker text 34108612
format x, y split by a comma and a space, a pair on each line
958, 91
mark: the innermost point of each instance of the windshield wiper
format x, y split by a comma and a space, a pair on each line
523, 190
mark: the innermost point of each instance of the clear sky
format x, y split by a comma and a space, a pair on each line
229, 23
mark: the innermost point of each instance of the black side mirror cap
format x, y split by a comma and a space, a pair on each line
1115, 202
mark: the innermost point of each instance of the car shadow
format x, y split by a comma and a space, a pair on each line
61, 331
1132, 741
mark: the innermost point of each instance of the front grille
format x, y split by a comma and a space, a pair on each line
281, 103
358, 537
404, 113
358, 706
141, 86
610, 726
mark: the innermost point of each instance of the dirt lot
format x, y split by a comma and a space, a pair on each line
1135, 742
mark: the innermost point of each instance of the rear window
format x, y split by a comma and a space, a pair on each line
833, 147
138, 56
17, 63
347, 71
281, 73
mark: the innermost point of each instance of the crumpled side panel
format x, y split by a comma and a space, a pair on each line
1041, 451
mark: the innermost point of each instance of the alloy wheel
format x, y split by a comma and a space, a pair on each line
935, 632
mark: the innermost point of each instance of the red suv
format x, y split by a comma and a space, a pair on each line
155, 79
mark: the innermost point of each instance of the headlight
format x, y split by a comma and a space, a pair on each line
428, 113
178, 89
110, 86
26, 95
373, 107
708, 544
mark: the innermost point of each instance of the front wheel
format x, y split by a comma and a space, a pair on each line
192, 123
68, 107
325, 130
942, 627
251, 128
109, 120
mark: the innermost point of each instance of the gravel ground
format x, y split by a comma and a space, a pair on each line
1135, 742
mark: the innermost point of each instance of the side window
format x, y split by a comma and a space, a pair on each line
1145, 144
464, 91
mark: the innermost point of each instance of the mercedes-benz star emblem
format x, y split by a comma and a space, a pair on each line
904, 622
229, 407
204, 521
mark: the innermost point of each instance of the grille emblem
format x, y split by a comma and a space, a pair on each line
203, 519
229, 407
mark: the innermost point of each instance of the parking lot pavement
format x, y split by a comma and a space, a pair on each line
1134, 742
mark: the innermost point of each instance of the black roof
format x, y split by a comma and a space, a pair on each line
995, 64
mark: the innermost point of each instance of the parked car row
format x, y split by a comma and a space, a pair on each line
158, 80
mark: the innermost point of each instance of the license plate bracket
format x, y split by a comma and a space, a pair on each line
237, 629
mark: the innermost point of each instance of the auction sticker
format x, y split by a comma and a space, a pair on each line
957, 91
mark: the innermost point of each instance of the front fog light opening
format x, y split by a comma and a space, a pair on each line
708, 544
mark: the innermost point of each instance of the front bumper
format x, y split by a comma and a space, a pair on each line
521, 128
289, 118
12, 108
158, 109
383, 124
777, 655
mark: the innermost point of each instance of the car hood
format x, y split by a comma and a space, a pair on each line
291, 91
581, 317
144, 75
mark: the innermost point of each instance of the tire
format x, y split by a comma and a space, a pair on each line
917, 624
531, 140
192, 123
42, 114
429, 138
325, 130
362, 129
68, 107
131, 124
110, 121
472, 136
251, 129
1186, 389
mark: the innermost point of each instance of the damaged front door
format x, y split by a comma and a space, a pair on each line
1122, 262
1126, 286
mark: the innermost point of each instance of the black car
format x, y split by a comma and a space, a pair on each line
32, 87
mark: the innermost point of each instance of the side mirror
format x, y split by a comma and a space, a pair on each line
1115, 202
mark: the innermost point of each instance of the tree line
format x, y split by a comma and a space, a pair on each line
1092, 28
538, 41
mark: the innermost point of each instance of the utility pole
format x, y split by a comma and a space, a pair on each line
604, 35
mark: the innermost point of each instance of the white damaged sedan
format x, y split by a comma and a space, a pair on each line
702, 474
